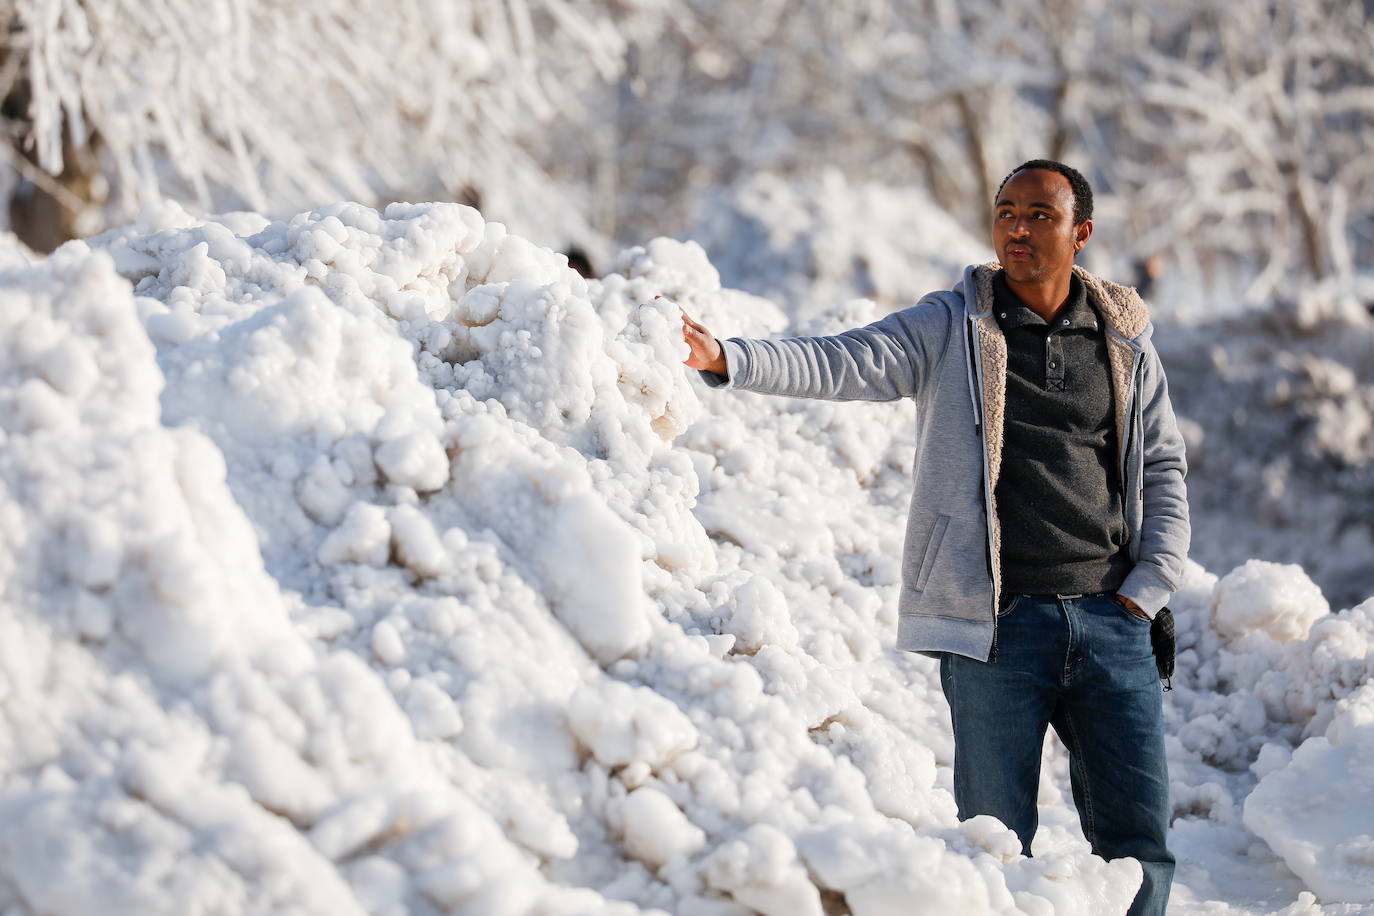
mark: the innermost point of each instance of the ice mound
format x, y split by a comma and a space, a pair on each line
174, 738
1314, 812
1277, 599
1315, 807
376, 562
1274, 735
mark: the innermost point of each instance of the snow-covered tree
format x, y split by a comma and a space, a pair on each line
916, 92
1222, 136
1241, 129
277, 105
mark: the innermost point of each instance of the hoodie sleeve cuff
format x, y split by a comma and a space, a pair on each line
736, 366
1144, 587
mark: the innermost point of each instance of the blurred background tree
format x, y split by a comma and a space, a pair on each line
278, 106
1227, 138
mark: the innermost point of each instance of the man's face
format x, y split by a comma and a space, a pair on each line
1032, 227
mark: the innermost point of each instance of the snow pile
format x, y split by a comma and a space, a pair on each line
1276, 599
1315, 813
174, 740
1272, 724
377, 562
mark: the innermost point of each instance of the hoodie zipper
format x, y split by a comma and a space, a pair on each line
970, 330
973, 386
1131, 436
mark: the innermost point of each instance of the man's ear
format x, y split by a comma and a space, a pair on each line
1081, 233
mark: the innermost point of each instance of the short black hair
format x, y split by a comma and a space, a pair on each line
1082, 192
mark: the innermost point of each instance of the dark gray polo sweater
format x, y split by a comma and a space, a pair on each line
1058, 492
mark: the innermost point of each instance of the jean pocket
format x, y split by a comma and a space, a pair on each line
1011, 607
1121, 606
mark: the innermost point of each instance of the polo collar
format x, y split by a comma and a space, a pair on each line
1011, 312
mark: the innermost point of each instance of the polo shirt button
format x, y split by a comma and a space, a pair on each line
1065, 321
1004, 314
1051, 365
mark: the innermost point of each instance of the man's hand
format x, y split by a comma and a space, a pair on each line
706, 350
1132, 607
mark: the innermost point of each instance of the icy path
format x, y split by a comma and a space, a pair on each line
375, 562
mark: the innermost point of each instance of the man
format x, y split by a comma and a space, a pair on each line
1048, 519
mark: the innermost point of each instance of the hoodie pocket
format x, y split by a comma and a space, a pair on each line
931, 551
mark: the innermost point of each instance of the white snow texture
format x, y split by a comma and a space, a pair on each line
376, 562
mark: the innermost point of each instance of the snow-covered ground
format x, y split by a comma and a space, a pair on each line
376, 562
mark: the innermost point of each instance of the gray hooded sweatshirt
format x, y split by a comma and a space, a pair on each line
949, 355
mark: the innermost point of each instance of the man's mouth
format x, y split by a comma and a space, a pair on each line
1018, 252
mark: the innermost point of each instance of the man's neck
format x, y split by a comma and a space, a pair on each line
1045, 298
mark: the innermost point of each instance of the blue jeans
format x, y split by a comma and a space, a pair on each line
1084, 665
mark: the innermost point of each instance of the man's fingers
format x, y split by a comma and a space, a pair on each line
688, 319
698, 338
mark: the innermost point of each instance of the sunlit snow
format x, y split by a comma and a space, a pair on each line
377, 562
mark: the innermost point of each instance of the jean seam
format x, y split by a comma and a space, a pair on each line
954, 733
952, 693
1075, 635
1076, 760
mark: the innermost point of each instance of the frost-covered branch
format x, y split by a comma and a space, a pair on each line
278, 105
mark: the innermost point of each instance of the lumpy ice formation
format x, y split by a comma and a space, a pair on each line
377, 562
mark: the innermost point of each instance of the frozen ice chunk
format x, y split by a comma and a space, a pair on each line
363, 537
591, 565
623, 724
760, 869
1316, 814
415, 460
1274, 598
758, 617
656, 830
432, 711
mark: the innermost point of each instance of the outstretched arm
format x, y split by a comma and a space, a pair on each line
883, 361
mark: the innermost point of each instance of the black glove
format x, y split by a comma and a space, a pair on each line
1162, 642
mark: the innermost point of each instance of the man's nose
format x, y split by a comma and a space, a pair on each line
1019, 229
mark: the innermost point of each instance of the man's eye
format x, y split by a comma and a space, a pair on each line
1042, 216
